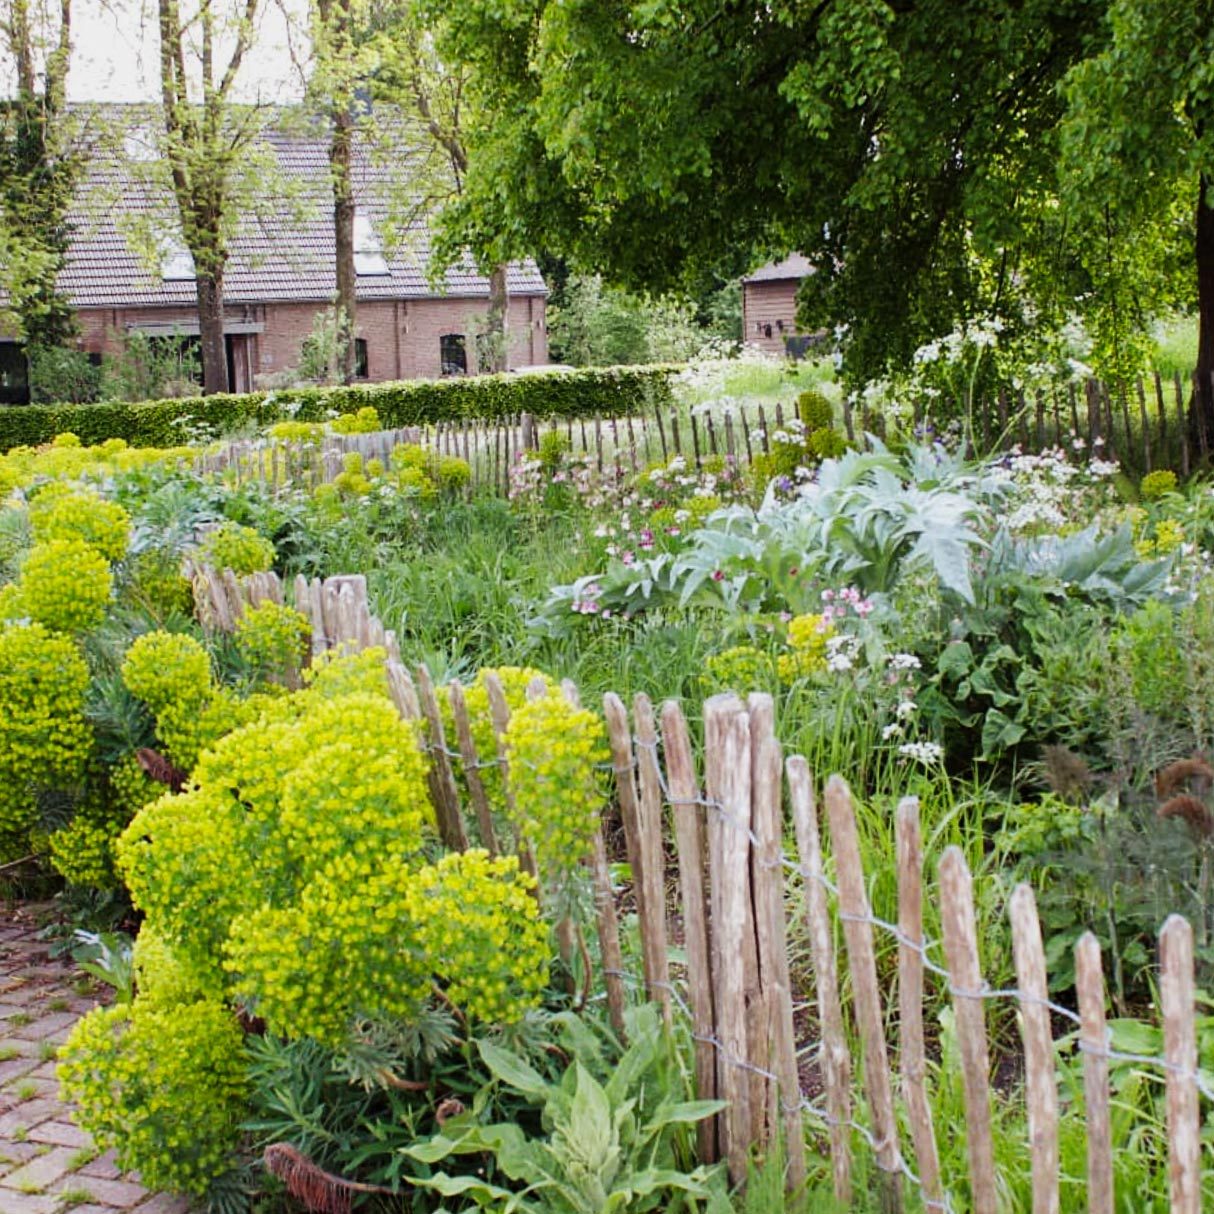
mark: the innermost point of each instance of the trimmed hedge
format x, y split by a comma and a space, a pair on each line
612, 391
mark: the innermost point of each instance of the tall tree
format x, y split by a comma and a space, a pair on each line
207, 144
414, 77
339, 67
40, 163
915, 150
1139, 134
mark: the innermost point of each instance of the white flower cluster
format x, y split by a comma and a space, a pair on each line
930, 754
841, 653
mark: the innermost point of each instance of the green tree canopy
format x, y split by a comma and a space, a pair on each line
921, 153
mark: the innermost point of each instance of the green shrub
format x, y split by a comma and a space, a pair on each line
238, 548
46, 739
612, 391
815, 411
164, 1086
65, 584
59, 514
1156, 484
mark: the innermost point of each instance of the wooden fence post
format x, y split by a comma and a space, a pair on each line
965, 979
856, 914
768, 879
685, 806
836, 1059
649, 819
1041, 1093
910, 996
609, 935
619, 735
446, 796
727, 744
1176, 998
1089, 986
472, 775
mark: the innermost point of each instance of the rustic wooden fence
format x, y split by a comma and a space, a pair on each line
1143, 427
736, 893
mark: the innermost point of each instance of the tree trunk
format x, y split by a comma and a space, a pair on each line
210, 325
341, 150
495, 322
1202, 419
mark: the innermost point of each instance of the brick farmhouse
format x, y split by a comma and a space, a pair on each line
769, 306
127, 272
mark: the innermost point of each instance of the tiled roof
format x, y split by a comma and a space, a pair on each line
283, 250
793, 266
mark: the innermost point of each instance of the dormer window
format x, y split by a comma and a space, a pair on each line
176, 263
139, 144
368, 252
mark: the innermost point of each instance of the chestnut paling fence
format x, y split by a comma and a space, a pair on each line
736, 891
1145, 426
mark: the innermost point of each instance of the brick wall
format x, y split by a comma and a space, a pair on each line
402, 336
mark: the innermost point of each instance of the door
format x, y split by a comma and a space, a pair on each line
240, 376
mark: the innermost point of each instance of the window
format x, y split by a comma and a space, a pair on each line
368, 252
176, 262
14, 375
139, 144
361, 365
453, 354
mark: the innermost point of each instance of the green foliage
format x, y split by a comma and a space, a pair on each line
555, 750
149, 368
273, 639
616, 1132
57, 373
592, 325
65, 584
364, 421
238, 548
310, 884
611, 392
45, 742
59, 514
1155, 484
165, 669
163, 1086
870, 519
815, 411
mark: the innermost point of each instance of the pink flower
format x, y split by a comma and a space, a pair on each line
718, 576
628, 557
827, 595
864, 607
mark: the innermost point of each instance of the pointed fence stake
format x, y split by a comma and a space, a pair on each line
965, 980
1176, 997
836, 1058
856, 914
685, 805
1041, 1090
910, 997
1089, 985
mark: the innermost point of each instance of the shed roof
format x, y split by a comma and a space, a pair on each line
793, 266
283, 247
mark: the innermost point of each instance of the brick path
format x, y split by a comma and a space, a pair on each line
47, 1165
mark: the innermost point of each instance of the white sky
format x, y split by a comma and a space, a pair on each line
116, 44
